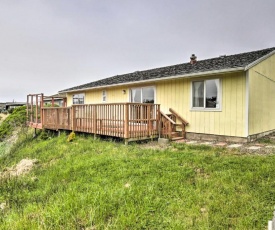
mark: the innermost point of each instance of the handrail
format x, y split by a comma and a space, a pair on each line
178, 116
168, 118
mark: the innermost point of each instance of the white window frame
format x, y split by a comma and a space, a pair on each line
104, 96
144, 87
78, 94
204, 104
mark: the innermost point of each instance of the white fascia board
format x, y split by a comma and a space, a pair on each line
259, 60
191, 75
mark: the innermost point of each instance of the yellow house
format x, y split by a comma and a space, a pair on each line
229, 98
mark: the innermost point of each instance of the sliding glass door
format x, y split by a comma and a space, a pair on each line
143, 95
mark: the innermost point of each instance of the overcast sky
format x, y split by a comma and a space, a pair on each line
51, 45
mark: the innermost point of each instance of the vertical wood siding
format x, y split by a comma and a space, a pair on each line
262, 96
114, 95
230, 121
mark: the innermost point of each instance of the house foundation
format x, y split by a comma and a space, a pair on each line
218, 138
221, 138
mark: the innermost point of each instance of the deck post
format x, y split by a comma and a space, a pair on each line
64, 102
52, 101
36, 109
126, 141
27, 114
72, 118
57, 119
126, 121
94, 120
149, 128
159, 120
35, 134
41, 111
31, 112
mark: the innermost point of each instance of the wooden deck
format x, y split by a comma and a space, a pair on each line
130, 121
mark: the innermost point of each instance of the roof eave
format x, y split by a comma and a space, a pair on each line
249, 66
200, 74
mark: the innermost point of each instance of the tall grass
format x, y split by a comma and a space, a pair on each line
90, 184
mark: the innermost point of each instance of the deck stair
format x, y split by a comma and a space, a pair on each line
173, 126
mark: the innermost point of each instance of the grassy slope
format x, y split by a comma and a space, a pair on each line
103, 185
9, 125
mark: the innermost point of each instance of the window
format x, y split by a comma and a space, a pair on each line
78, 98
104, 96
206, 94
143, 95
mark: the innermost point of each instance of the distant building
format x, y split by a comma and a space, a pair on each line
10, 105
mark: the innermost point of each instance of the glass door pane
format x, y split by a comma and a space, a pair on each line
136, 95
148, 95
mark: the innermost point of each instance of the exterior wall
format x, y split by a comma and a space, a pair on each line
114, 94
230, 121
262, 96
176, 94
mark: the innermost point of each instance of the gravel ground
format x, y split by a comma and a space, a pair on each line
263, 146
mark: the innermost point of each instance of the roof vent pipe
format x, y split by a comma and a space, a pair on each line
193, 59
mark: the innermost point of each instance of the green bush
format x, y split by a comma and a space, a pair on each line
71, 137
10, 110
16, 119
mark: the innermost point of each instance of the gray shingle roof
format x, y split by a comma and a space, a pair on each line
219, 63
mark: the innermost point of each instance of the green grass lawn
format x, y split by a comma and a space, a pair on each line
93, 184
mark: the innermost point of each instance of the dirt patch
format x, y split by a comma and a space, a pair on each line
22, 168
153, 145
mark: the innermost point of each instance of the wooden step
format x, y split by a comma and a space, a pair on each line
175, 134
177, 138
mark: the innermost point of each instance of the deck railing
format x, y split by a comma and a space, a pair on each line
168, 123
34, 104
125, 120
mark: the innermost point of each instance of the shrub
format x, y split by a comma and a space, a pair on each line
16, 119
71, 137
43, 135
10, 110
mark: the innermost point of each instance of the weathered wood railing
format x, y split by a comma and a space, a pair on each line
34, 104
169, 124
125, 120
176, 117
56, 118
